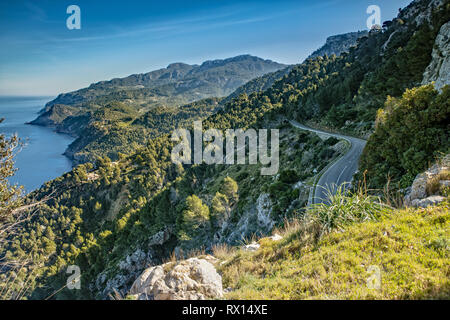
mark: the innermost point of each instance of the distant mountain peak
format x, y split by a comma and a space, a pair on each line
178, 65
179, 82
239, 58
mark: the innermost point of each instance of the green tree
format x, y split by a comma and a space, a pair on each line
220, 208
230, 189
10, 196
194, 216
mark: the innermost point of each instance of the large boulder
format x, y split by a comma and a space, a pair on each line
427, 202
418, 189
192, 279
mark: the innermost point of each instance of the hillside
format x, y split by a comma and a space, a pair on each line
177, 84
109, 110
354, 247
72, 113
335, 45
343, 264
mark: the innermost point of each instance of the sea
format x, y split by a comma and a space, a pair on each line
40, 159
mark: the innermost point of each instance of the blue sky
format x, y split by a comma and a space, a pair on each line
40, 56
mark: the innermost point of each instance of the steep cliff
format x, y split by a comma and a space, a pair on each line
439, 68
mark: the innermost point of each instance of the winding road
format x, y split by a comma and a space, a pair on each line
341, 171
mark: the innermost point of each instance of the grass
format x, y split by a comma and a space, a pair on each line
331, 255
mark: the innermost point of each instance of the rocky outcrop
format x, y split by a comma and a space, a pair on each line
192, 279
160, 237
131, 266
427, 187
338, 44
128, 269
420, 11
439, 68
428, 202
54, 115
256, 219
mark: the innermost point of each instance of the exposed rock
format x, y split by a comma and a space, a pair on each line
276, 237
427, 202
338, 44
145, 283
189, 82
252, 247
445, 183
439, 68
192, 279
160, 238
417, 195
264, 207
133, 261
420, 11
129, 268
257, 218
255, 245
418, 188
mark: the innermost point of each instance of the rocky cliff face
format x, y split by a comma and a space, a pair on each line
420, 11
54, 115
439, 68
129, 268
431, 187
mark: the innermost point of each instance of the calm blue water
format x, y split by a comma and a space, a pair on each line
41, 159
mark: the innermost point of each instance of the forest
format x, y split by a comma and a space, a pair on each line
104, 214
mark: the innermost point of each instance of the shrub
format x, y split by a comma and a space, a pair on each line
410, 133
344, 209
289, 176
194, 216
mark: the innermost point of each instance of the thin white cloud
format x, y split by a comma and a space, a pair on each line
157, 30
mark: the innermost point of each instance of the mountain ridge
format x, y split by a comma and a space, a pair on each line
213, 77
338, 44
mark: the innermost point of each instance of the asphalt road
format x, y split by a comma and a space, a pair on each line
341, 172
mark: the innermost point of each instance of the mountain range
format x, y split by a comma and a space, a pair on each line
181, 82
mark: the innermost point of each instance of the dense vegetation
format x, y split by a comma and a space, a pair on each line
100, 214
345, 92
411, 132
